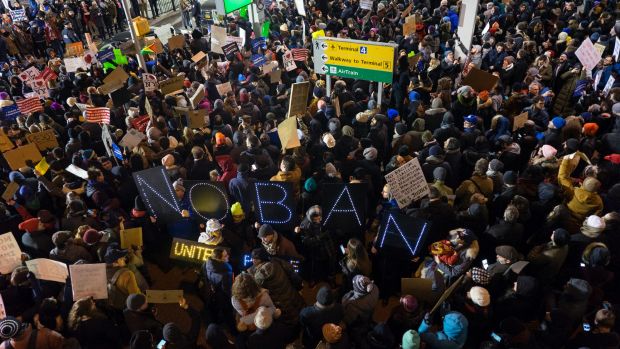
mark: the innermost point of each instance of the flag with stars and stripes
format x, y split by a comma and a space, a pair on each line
99, 115
29, 105
300, 54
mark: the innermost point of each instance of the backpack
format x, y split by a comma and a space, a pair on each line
117, 297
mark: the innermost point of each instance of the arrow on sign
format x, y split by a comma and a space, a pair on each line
323, 45
324, 57
324, 68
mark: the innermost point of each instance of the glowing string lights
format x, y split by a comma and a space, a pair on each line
340, 210
222, 193
260, 202
421, 235
143, 184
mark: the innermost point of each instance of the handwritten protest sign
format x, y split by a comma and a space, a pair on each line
47, 269
77, 171
132, 138
10, 254
163, 296
480, 80
519, 121
587, 54
198, 57
218, 38
224, 88
275, 76
5, 142
289, 63
42, 167
608, 85
150, 82
10, 190
287, 131
44, 139
28, 75
89, 280
114, 81
18, 15
131, 237
171, 85
407, 183
39, 87
17, 158
298, 101
74, 49
72, 64
177, 41
197, 97
196, 118
366, 4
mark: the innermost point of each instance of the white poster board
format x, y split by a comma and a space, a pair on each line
72, 64
467, 24
150, 82
608, 85
89, 280
587, 54
47, 269
616, 49
218, 38
132, 138
299, 5
366, 4
407, 183
10, 254
77, 171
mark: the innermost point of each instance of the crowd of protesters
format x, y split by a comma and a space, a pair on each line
523, 219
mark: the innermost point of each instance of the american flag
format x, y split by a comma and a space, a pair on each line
100, 115
300, 54
29, 105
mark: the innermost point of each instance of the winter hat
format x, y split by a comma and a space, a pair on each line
593, 226
30, 225
263, 318
480, 276
411, 340
325, 296
168, 160
481, 166
60, 238
236, 209
135, 301
548, 151
454, 325
370, 154
480, 296
329, 140
435, 150
265, 230
464, 90
92, 236
561, 237
427, 136
496, 165
178, 185
613, 158
591, 184
557, 122
590, 129
362, 284
310, 185
348, 131
451, 145
599, 255
508, 252
409, 303
472, 119
331, 170
213, 225
172, 333
113, 254
400, 128
10, 328
439, 174
220, 138
510, 177
578, 289
332, 333
392, 114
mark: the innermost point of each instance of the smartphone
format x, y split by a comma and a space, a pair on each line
583, 265
342, 249
161, 344
485, 264
496, 337
586, 327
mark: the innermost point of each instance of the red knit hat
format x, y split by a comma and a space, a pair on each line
30, 225
590, 129
220, 138
613, 158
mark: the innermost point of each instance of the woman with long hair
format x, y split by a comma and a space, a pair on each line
354, 262
91, 327
247, 297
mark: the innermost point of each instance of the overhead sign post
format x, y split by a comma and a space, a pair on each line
355, 59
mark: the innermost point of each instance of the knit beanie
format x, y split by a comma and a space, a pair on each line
325, 296
480, 296
409, 303
548, 151
91, 236
236, 209
411, 340
370, 154
172, 333
362, 284
135, 301
332, 333
557, 122
329, 140
591, 184
590, 129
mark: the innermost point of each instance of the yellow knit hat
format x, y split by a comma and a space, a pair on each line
236, 209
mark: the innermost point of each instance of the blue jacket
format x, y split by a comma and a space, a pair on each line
453, 335
240, 188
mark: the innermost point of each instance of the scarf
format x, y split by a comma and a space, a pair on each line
272, 247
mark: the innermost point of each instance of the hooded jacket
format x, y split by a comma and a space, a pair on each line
452, 336
584, 203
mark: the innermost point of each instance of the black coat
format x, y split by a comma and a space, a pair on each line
273, 338
313, 318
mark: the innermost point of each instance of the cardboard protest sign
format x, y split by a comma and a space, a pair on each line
198, 57
74, 49
223, 89
163, 296
344, 206
407, 183
177, 41
402, 235
5, 142
47, 269
519, 121
44, 139
610, 83
218, 38
79, 172
422, 288
17, 158
72, 64
274, 203
287, 131
171, 85
208, 199
39, 88
409, 27
115, 80
150, 82
120, 97
587, 54
269, 67
10, 254
298, 100
197, 97
157, 194
190, 251
480, 80
447, 293
89, 280
155, 44
10, 190
132, 138
197, 118
275, 76
42, 167
131, 237
230, 49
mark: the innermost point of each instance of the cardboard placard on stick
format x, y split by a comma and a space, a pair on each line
409, 27
156, 44
131, 237
198, 57
163, 296
287, 131
480, 80
10, 190
44, 139
171, 85
224, 88
196, 118
114, 81
275, 76
298, 100
197, 97
177, 41
17, 158
519, 121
